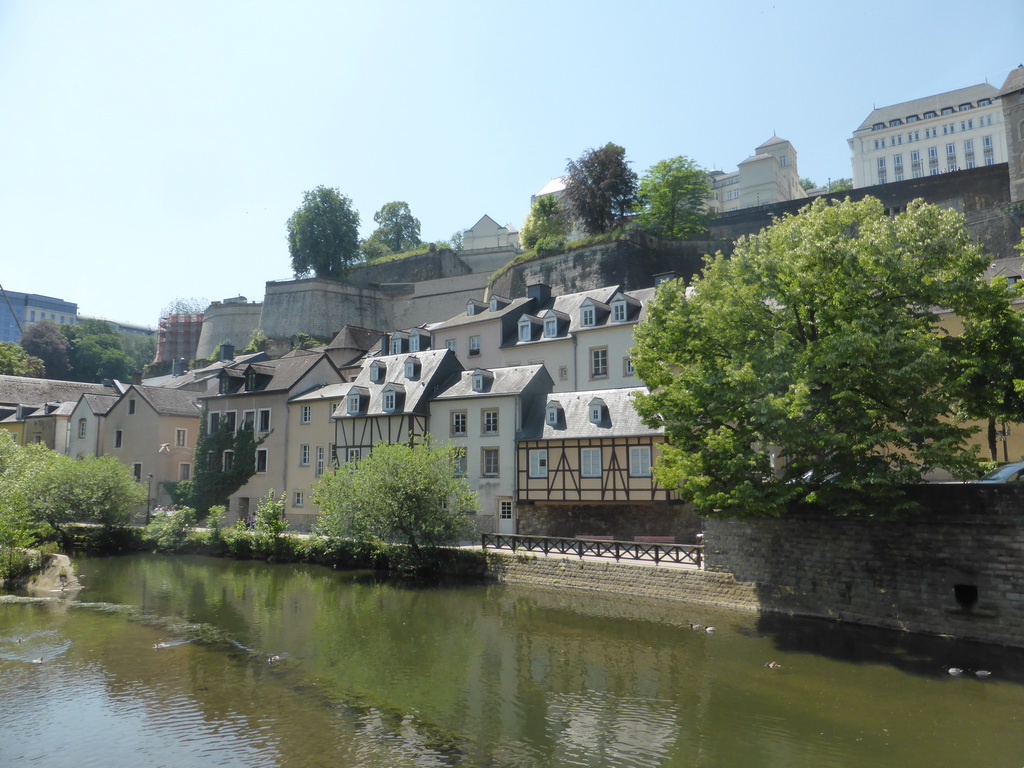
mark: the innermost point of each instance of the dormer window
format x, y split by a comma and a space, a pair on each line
588, 316
619, 311
225, 385
550, 327
525, 330
470, 307
396, 345
930, 114
412, 368
354, 402
377, 371
414, 342
597, 409
250, 382
493, 305
390, 399
984, 102
948, 110
551, 414
480, 378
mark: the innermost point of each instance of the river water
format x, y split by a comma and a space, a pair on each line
170, 661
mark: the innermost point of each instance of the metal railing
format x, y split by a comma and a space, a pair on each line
680, 554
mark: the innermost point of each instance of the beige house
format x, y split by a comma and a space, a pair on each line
482, 412
153, 431
476, 335
39, 410
88, 425
770, 175
255, 396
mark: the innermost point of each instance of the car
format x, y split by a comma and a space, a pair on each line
1006, 473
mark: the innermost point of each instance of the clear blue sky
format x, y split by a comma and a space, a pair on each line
154, 150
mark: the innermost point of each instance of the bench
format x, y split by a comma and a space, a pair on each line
595, 537
654, 539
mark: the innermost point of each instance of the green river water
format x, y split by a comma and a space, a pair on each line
168, 661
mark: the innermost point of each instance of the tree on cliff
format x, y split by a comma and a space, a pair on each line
673, 199
808, 366
323, 234
545, 220
397, 229
600, 189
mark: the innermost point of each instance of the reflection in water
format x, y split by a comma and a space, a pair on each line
170, 661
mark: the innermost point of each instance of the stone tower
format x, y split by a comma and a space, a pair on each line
1012, 95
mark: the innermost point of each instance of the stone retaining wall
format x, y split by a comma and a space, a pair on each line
691, 586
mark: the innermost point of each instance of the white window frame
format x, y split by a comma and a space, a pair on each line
319, 470
304, 455
490, 462
299, 500
588, 317
459, 424
451, 344
377, 371
354, 402
505, 509
81, 428
489, 421
263, 424
551, 415
599, 362
550, 327
307, 415
639, 461
627, 366
478, 382
414, 342
538, 462
525, 330
353, 454
410, 368
619, 313
396, 345
389, 401
590, 462
474, 346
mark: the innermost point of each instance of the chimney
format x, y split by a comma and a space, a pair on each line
178, 367
539, 291
227, 350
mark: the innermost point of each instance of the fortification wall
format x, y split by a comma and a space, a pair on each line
223, 322
321, 308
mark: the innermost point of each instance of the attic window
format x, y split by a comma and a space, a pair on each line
550, 327
494, 306
396, 345
525, 330
414, 342
930, 114
411, 368
551, 414
470, 307
389, 401
894, 122
250, 381
587, 316
354, 403
984, 102
478, 382
619, 311
377, 372
596, 411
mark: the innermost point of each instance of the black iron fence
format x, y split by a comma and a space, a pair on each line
681, 554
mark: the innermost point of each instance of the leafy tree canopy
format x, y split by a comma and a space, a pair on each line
673, 199
323, 234
808, 367
600, 189
45, 341
397, 229
545, 219
399, 494
15, 361
839, 185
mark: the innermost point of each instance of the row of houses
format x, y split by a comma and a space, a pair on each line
535, 391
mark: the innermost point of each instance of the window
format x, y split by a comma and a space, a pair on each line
353, 454
396, 345
214, 422
227, 461
307, 414
261, 460
596, 412
525, 330
250, 381
619, 311
551, 414
881, 163
539, 462
587, 316
353, 402
131, 406
627, 366
550, 327
180, 438
81, 428
411, 368
303, 455
460, 463
118, 435
640, 461
590, 462
493, 304
478, 382
248, 419
319, 460
184, 472
458, 424
505, 509
490, 462
228, 421
563, 372
490, 422
300, 499
377, 371
599, 363
389, 401
264, 420
474, 346
414, 342
470, 307
137, 472
450, 343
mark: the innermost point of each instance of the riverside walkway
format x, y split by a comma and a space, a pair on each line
600, 550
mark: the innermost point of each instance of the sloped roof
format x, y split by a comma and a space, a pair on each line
772, 141
928, 103
100, 405
21, 390
170, 402
1014, 81
553, 186
433, 363
567, 307
481, 317
355, 337
622, 419
504, 382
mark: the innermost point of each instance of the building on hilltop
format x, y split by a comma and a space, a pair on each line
768, 176
20, 310
1012, 97
950, 131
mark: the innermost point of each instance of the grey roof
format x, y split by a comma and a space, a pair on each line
568, 306
330, 391
169, 402
481, 317
355, 337
21, 390
434, 363
772, 141
1014, 81
621, 418
929, 103
501, 382
100, 405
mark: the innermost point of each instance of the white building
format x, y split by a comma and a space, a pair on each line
928, 136
770, 175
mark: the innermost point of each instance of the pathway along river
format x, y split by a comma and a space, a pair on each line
169, 661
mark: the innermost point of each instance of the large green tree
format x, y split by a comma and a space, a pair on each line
546, 219
600, 189
15, 361
673, 199
808, 366
45, 341
323, 234
399, 494
397, 229
97, 352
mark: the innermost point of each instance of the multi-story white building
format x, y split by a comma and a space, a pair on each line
768, 176
928, 136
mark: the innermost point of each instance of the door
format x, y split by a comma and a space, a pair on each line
506, 516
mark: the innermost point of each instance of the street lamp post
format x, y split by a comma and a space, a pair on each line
149, 486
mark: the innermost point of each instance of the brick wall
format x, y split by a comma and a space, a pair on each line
621, 521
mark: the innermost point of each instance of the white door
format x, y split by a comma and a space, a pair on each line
506, 516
